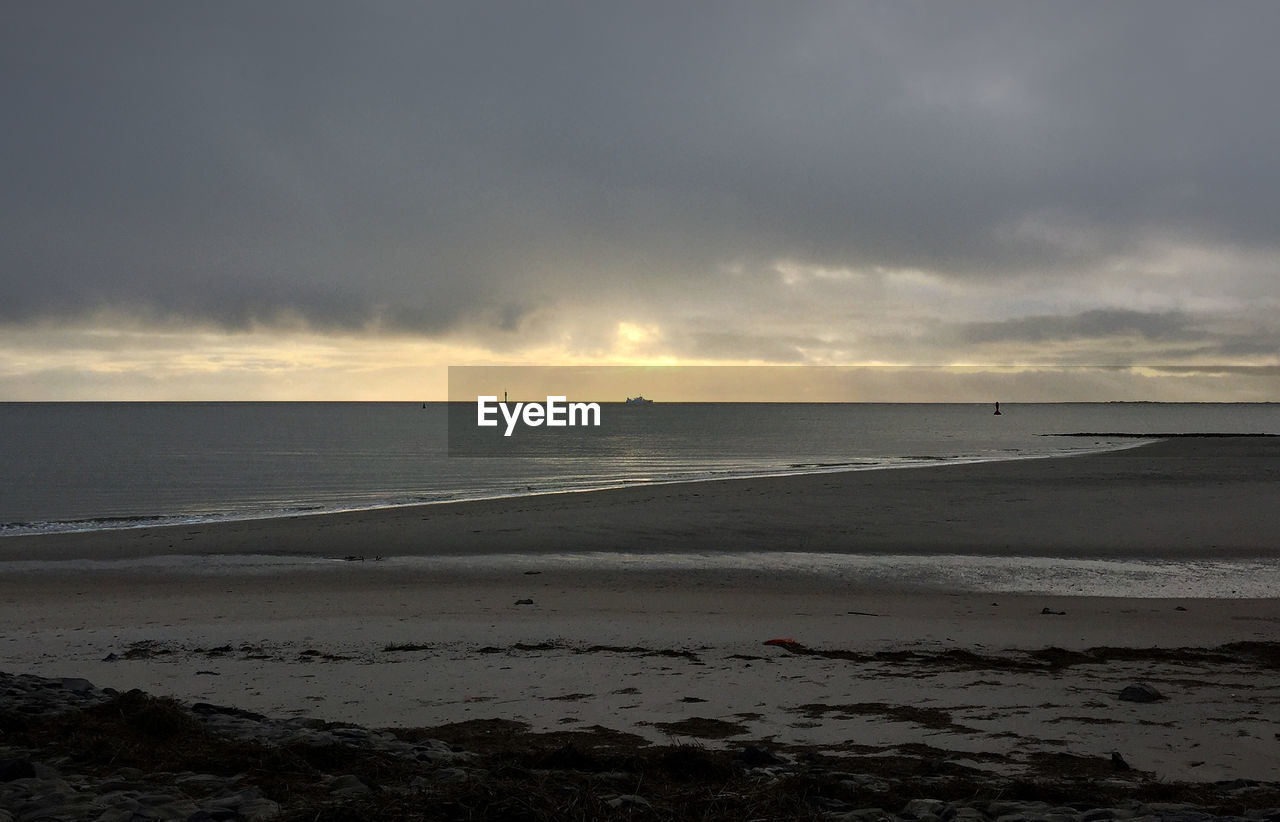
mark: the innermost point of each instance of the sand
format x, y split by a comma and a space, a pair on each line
677, 652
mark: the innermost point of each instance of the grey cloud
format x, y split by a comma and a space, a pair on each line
419, 166
1259, 344
730, 345
1172, 326
1208, 342
1254, 371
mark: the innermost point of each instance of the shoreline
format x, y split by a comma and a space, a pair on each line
129, 523
1176, 499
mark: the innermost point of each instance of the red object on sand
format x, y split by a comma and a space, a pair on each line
789, 644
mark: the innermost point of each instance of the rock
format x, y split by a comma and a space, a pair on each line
524, 602
433, 750
870, 815
1117, 762
154, 800
1163, 808
1052, 612
1190, 816
310, 723
755, 757
43, 771
440, 757
999, 808
202, 782
76, 684
831, 805
451, 775
1141, 692
214, 815
348, 785
236, 800
258, 810
918, 808
352, 731
55, 807
11, 769
628, 800
865, 783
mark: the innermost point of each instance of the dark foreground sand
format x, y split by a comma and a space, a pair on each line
681, 654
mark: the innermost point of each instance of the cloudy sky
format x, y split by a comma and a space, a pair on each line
317, 200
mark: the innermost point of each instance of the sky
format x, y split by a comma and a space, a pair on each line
319, 200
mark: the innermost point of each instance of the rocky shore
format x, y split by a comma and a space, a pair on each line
71, 751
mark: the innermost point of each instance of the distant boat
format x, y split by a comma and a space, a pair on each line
638, 401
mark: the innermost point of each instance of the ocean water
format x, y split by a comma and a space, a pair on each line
85, 466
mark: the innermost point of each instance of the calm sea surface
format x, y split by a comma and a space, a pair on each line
82, 466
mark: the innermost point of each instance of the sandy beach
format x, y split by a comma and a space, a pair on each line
681, 653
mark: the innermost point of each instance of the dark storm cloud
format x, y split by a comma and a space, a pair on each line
417, 165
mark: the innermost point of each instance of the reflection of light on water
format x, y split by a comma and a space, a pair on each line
1215, 579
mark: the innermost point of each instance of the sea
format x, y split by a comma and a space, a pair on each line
93, 466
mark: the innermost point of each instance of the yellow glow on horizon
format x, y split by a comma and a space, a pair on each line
135, 362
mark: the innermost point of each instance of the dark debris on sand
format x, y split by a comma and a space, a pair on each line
1264, 655
498, 769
